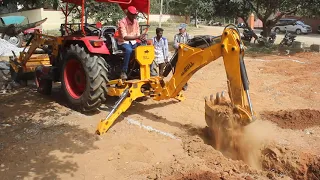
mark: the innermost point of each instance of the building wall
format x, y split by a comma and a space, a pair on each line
55, 19
169, 18
33, 15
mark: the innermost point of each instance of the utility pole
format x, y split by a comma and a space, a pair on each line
161, 4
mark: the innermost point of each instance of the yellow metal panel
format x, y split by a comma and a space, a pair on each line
144, 56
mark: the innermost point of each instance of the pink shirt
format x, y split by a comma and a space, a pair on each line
128, 28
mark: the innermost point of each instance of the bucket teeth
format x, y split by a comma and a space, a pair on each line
211, 98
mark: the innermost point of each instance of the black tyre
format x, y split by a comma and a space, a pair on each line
14, 75
16, 40
83, 79
298, 31
277, 30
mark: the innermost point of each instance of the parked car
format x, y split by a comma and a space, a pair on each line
293, 26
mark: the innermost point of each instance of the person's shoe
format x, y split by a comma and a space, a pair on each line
123, 76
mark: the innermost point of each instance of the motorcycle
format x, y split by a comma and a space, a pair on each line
266, 40
288, 39
247, 35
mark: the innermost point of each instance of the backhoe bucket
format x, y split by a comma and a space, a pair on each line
224, 128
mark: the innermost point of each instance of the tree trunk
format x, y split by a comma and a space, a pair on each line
266, 29
196, 20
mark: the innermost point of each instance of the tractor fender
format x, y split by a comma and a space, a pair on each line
87, 43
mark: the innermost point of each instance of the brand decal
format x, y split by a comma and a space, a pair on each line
186, 69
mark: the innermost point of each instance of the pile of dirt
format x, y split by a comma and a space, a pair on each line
285, 161
206, 175
296, 119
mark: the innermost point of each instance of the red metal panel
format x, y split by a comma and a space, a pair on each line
141, 5
86, 40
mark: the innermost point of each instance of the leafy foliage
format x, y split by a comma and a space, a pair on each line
189, 7
104, 12
268, 11
30, 4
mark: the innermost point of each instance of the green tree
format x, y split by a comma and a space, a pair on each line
196, 8
107, 12
11, 5
268, 11
155, 6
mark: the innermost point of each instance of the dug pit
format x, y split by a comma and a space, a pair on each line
231, 138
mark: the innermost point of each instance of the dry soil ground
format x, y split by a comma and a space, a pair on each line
41, 138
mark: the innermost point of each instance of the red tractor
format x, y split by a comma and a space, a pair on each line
85, 58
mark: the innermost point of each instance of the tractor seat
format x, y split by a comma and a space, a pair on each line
109, 34
115, 46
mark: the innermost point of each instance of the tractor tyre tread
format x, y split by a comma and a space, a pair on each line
96, 80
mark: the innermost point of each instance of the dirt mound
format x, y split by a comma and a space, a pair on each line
295, 119
295, 164
207, 175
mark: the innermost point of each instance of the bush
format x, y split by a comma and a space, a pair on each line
256, 49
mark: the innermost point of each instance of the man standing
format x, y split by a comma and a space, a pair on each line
181, 37
129, 32
161, 50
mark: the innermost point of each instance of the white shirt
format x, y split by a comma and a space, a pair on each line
161, 49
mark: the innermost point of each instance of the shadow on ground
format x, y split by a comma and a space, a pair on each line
35, 141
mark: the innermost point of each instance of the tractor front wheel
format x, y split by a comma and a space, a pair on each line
84, 79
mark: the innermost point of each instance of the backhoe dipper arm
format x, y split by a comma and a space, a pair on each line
191, 59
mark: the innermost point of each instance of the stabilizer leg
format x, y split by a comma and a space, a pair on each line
120, 106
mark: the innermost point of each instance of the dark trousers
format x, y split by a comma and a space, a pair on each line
128, 48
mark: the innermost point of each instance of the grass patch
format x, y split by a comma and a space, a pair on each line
256, 49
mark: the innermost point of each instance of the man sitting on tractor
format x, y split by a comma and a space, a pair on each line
129, 32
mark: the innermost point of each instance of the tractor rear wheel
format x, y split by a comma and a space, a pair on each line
84, 79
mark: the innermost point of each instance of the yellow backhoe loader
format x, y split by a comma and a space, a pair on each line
86, 62
188, 59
